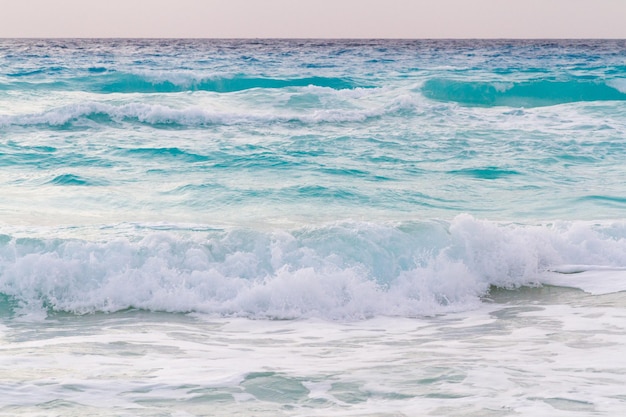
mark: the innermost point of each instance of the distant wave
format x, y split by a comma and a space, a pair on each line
102, 81
338, 271
532, 93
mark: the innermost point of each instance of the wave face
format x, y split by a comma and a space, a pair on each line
341, 271
157, 83
532, 93
288, 178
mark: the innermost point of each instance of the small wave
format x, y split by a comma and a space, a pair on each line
603, 200
35, 72
168, 153
534, 93
97, 70
486, 173
338, 271
606, 198
75, 180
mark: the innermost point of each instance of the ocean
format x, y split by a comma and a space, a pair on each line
312, 227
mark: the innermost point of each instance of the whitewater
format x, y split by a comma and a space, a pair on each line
312, 227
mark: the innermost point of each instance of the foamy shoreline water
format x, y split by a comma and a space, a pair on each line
549, 351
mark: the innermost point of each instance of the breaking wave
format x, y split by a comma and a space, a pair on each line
338, 271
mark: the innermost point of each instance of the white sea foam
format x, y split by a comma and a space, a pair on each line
593, 279
619, 84
346, 271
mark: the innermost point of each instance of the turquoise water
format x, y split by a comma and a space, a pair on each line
192, 186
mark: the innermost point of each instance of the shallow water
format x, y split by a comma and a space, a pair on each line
524, 352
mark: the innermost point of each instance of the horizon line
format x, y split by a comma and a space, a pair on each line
305, 38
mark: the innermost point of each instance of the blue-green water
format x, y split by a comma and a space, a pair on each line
305, 180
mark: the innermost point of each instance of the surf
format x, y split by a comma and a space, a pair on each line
345, 271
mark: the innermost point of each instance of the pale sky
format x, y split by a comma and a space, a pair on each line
314, 18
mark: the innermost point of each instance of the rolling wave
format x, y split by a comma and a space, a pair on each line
103, 81
534, 93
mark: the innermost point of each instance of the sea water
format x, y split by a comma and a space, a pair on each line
312, 228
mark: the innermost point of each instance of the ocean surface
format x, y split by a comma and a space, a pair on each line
312, 228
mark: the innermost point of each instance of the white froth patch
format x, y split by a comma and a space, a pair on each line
619, 84
593, 279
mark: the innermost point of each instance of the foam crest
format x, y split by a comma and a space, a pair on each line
160, 114
341, 271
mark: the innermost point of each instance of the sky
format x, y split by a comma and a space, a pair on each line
314, 18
